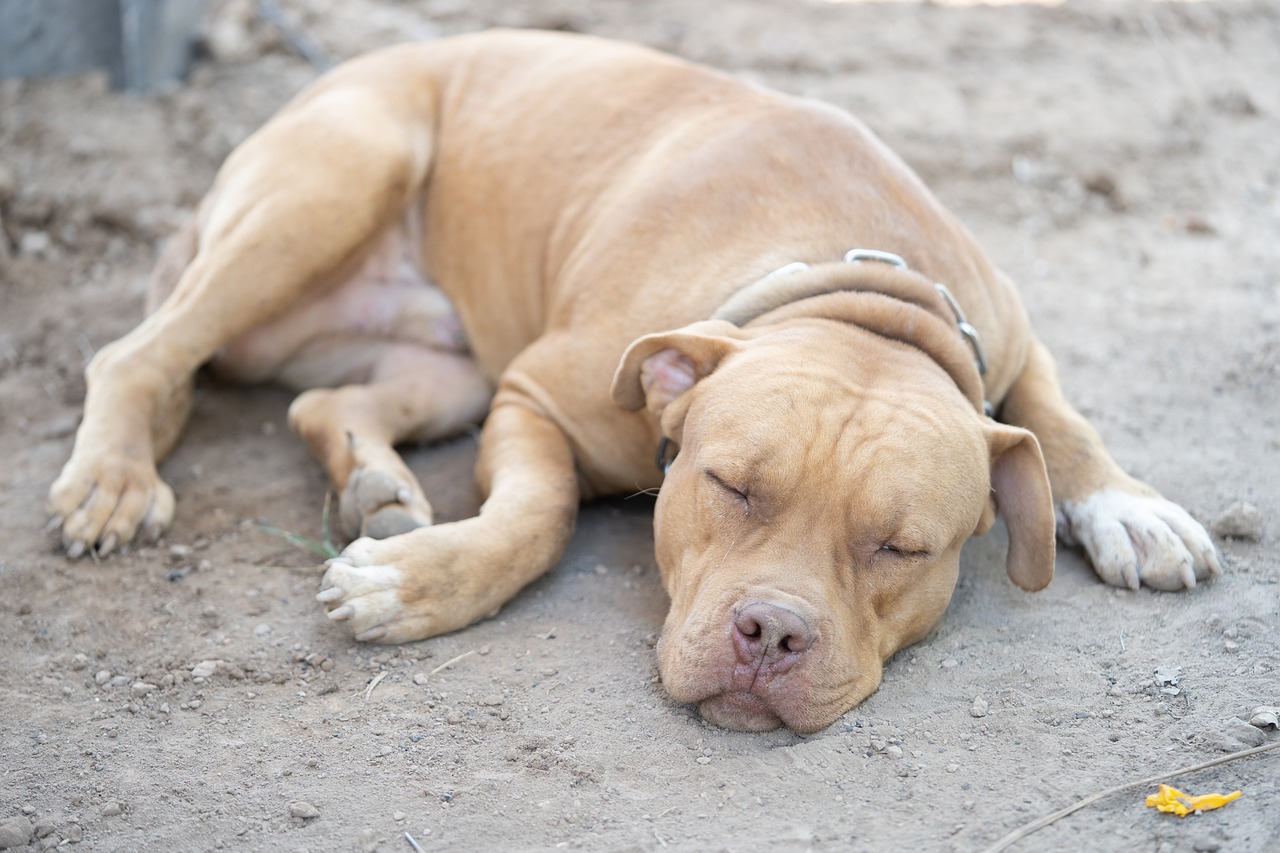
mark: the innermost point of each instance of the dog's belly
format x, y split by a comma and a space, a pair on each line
354, 332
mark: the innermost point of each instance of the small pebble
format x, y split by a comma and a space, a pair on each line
36, 243
303, 810
492, 700
979, 707
894, 752
952, 768
101, 677
399, 817
204, 669
1241, 520
453, 718
15, 832
1235, 734
262, 630
1206, 845
950, 663
420, 678
111, 809
75, 833
702, 759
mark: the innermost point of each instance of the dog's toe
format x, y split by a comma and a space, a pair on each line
1140, 539
101, 505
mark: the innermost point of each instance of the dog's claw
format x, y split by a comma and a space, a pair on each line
55, 523
333, 593
108, 544
76, 549
371, 635
343, 613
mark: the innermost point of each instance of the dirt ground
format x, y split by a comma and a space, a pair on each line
1120, 159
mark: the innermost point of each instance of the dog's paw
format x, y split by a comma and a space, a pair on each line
362, 593
405, 588
103, 503
1138, 539
380, 505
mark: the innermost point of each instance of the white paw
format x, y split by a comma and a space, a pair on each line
359, 592
1133, 539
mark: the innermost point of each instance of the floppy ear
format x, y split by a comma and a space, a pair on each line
1020, 486
657, 369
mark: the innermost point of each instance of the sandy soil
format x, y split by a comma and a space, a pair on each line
1120, 159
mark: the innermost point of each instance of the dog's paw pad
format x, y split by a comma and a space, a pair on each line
380, 505
391, 521
1137, 540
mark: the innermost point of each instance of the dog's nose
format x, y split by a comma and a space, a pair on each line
772, 632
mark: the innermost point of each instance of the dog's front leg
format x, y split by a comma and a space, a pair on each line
1131, 533
438, 579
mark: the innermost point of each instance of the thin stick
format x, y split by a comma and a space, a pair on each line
452, 661
368, 691
409, 838
1026, 830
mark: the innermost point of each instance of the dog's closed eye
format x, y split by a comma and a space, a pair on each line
893, 550
736, 493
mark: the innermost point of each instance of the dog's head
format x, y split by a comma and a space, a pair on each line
812, 522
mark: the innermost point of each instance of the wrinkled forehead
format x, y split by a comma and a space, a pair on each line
796, 423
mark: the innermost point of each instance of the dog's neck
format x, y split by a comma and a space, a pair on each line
875, 291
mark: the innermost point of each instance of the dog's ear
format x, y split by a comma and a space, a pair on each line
1020, 488
656, 369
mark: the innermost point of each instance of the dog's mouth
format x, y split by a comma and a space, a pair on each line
740, 711
751, 695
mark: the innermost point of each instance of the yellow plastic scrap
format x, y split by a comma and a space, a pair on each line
1173, 800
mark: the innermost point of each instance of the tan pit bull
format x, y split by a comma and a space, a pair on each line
605, 250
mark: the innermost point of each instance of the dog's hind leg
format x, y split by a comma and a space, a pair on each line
416, 394
1132, 535
293, 211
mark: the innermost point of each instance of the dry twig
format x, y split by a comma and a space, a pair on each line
452, 661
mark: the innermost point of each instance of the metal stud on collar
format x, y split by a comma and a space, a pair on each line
853, 256
966, 328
